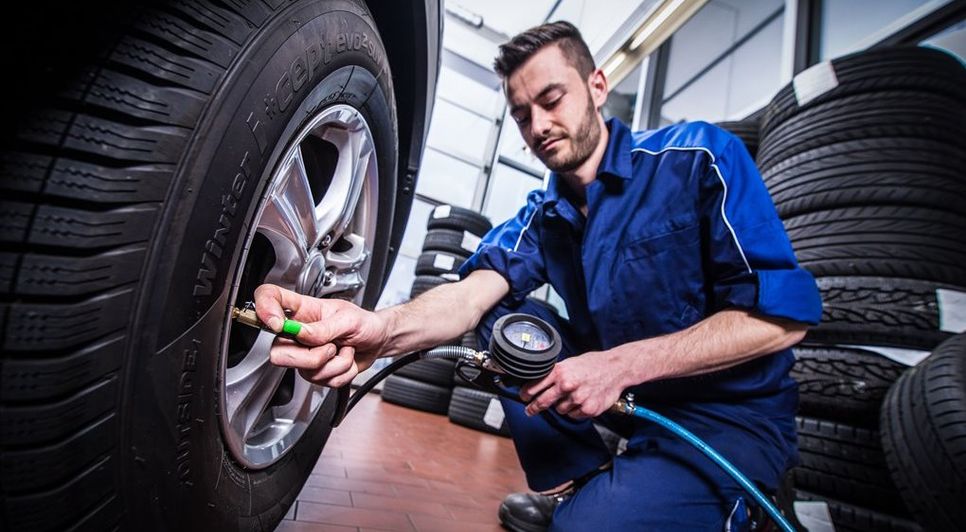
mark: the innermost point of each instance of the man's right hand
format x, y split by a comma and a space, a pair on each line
337, 341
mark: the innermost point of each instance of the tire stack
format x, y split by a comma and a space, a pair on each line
863, 157
453, 234
746, 130
475, 408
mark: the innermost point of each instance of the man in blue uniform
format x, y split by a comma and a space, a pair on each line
680, 285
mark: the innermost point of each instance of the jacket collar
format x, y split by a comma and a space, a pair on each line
616, 160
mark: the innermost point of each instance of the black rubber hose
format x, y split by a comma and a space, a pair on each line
452, 352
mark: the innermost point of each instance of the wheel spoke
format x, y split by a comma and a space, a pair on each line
290, 209
355, 155
250, 385
301, 407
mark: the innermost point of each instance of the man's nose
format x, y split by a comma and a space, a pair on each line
539, 123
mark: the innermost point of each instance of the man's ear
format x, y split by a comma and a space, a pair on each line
598, 87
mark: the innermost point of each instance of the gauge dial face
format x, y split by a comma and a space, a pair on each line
527, 336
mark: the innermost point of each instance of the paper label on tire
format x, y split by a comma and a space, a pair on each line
441, 212
444, 262
494, 415
952, 310
470, 242
814, 516
908, 357
814, 82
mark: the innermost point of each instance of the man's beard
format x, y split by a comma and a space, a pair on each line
583, 142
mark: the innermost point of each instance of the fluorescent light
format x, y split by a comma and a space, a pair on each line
614, 62
666, 11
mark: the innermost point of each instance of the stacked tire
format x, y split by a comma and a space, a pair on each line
746, 130
453, 234
924, 435
863, 157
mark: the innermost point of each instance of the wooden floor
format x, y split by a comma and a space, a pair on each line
392, 468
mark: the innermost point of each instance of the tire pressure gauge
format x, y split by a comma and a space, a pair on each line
524, 346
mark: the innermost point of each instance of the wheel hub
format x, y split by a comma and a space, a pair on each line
312, 278
312, 234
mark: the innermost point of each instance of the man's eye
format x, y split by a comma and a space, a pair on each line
552, 103
521, 119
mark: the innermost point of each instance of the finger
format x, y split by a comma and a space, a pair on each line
534, 389
342, 324
346, 378
340, 364
545, 400
271, 302
301, 357
577, 412
565, 405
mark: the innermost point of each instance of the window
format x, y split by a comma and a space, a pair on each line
622, 99
400, 282
724, 63
456, 87
736, 86
513, 147
508, 193
447, 179
412, 242
952, 40
709, 33
850, 25
459, 132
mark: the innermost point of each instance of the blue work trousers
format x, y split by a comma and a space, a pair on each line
660, 482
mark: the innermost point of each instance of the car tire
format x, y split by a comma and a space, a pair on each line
458, 219
923, 423
424, 283
746, 130
881, 241
439, 263
852, 518
468, 407
134, 192
881, 311
914, 68
844, 384
845, 463
438, 372
462, 243
873, 171
418, 395
880, 114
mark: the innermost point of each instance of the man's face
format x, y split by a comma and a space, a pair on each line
556, 109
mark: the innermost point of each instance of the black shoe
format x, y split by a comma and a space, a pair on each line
528, 512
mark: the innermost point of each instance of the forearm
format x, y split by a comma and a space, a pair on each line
441, 314
723, 340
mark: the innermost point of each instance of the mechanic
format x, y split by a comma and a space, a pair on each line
680, 285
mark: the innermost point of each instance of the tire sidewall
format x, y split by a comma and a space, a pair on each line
308, 57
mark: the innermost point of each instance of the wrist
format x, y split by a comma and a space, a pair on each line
632, 364
387, 320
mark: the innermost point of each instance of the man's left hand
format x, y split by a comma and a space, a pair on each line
580, 387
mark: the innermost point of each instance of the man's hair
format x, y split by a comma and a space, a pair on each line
517, 50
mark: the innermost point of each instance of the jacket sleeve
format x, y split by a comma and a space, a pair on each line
512, 249
752, 264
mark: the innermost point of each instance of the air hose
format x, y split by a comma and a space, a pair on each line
444, 352
523, 348
629, 408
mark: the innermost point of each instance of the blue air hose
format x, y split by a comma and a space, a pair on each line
685, 434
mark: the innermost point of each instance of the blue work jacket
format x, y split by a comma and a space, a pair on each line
679, 226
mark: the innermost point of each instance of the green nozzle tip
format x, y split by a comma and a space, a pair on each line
291, 327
